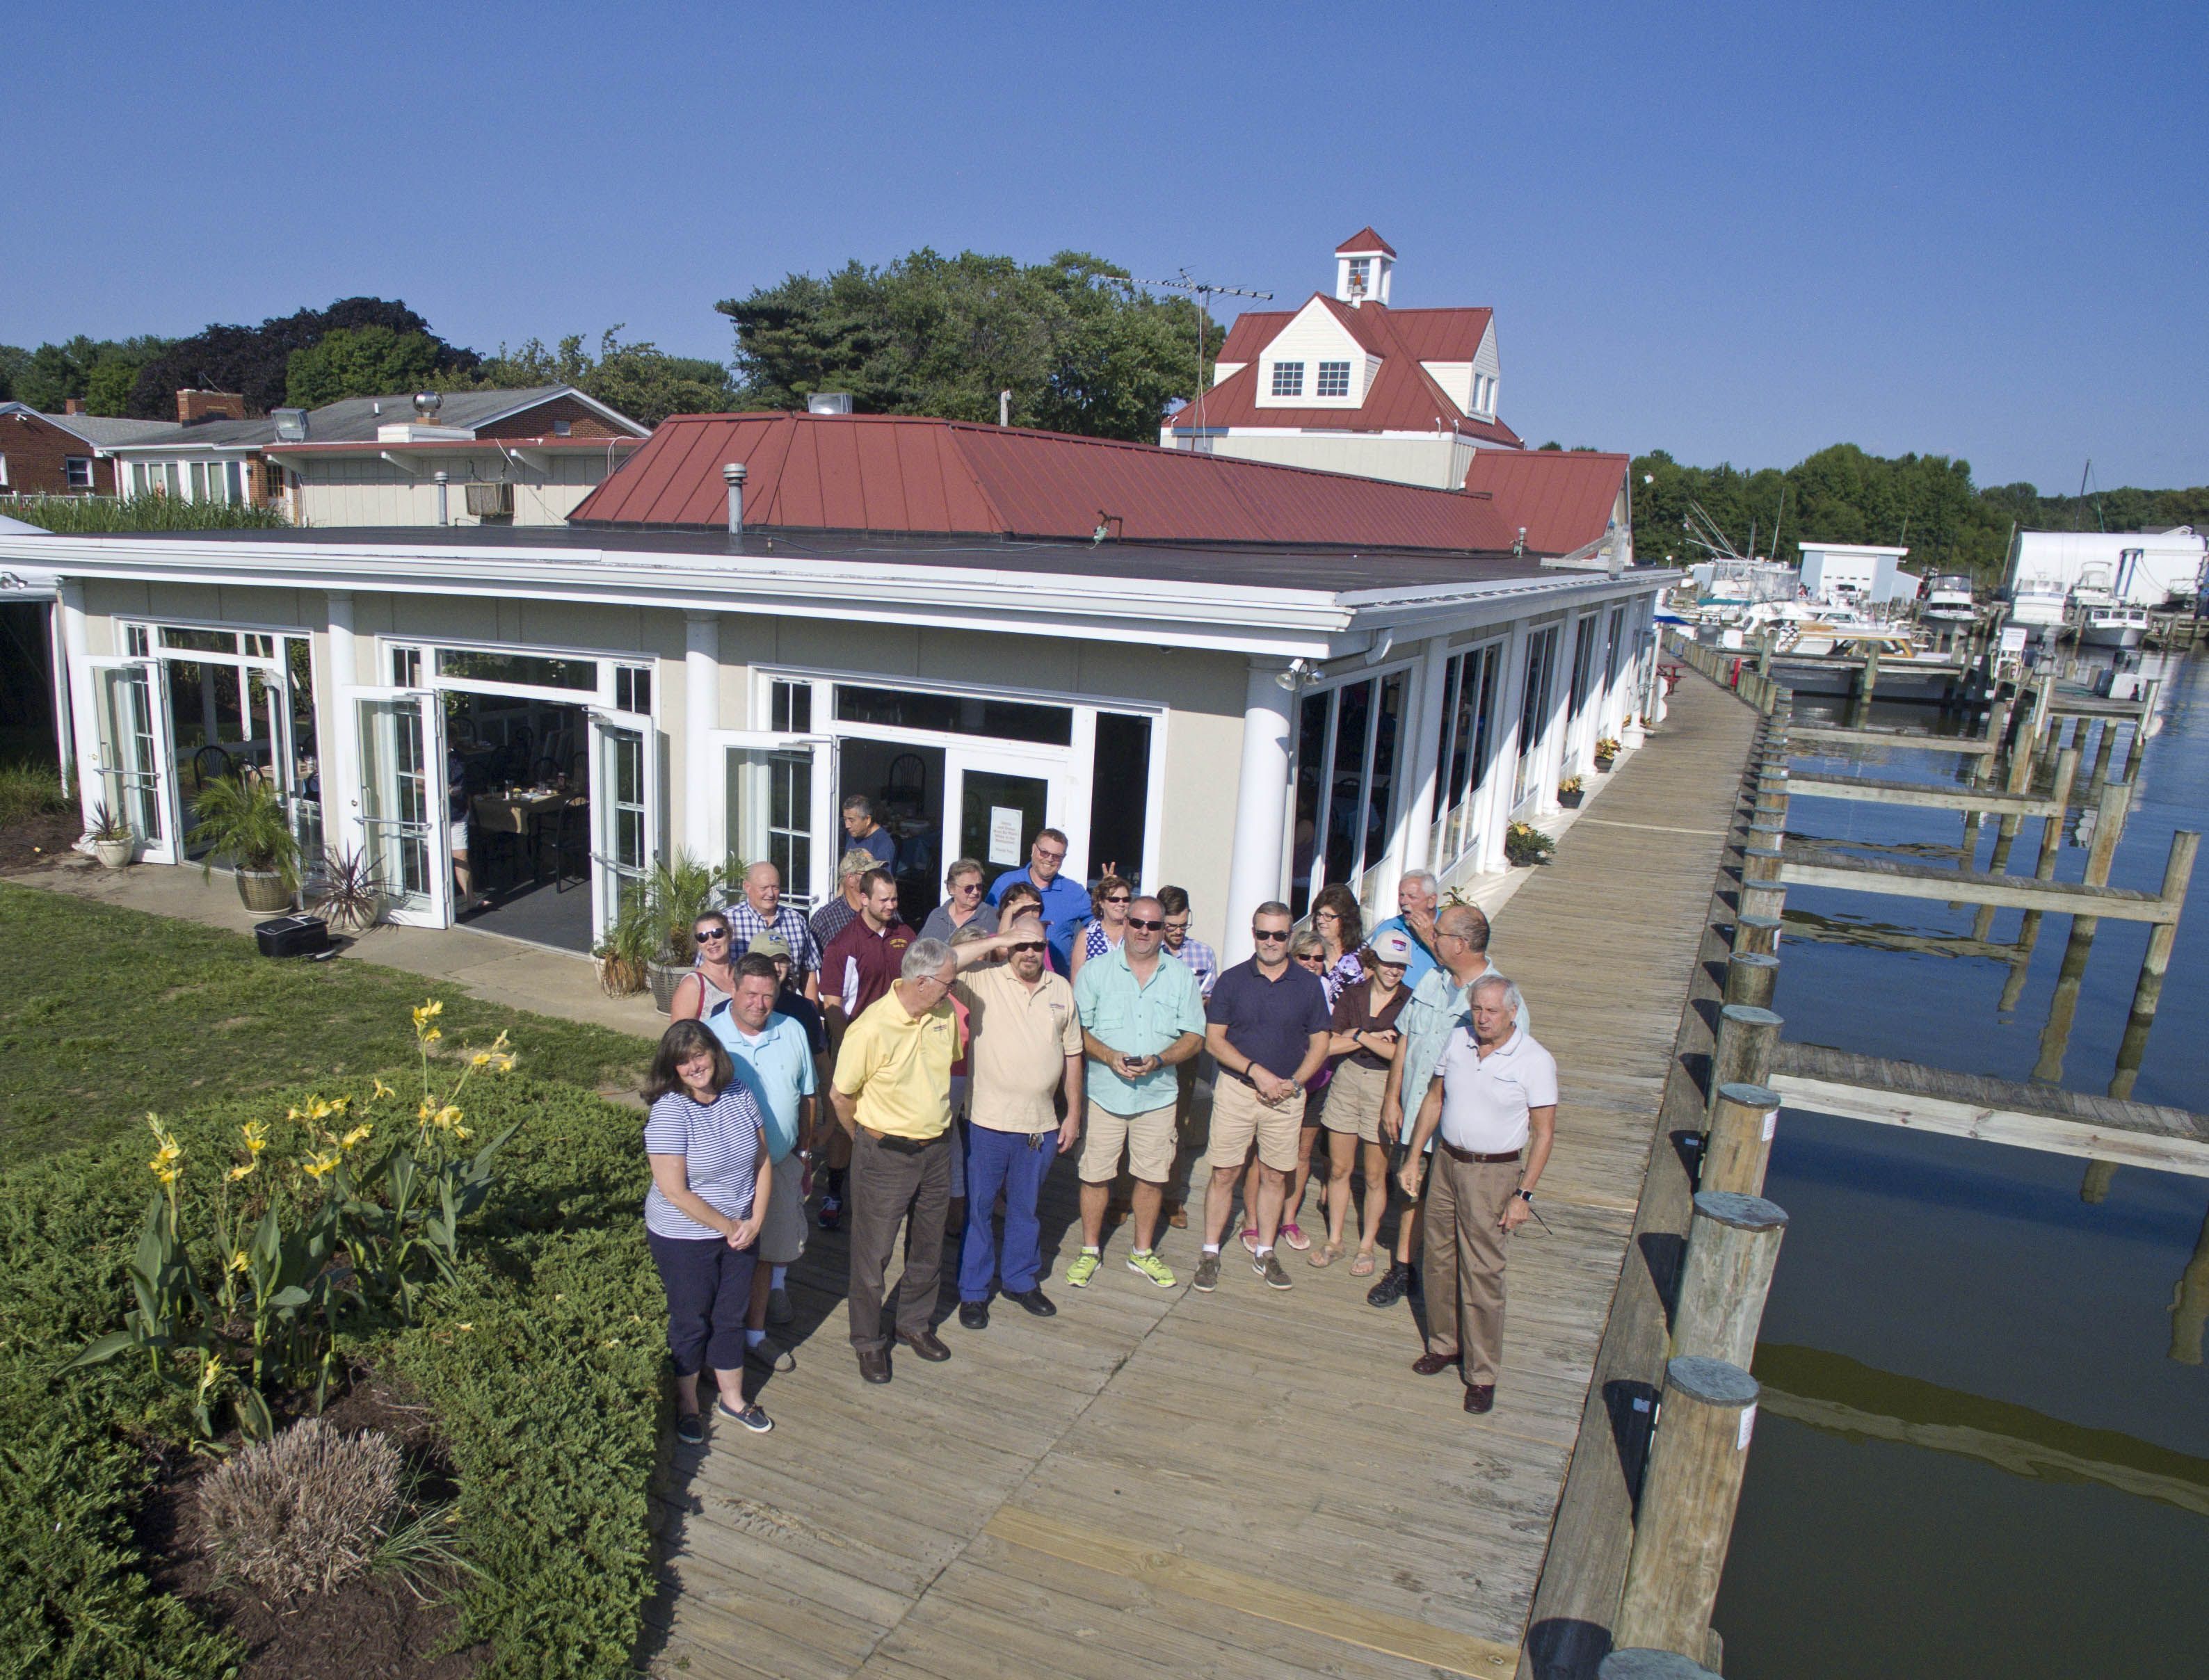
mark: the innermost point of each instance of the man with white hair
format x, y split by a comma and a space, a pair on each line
762, 911
1491, 1110
1416, 894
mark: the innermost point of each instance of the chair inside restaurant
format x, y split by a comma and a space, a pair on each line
525, 775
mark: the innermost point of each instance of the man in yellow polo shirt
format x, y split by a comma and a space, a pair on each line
891, 1094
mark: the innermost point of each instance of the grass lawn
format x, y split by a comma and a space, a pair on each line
106, 1013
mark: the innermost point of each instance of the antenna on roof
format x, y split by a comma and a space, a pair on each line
1203, 291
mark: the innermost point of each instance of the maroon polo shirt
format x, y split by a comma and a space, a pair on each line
858, 965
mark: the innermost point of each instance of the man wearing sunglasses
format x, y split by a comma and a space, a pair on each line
1066, 905
1268, 1027
1142, 1017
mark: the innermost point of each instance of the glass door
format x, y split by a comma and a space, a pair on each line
135, 776
776, 793
403, 803
994, 803
625, 806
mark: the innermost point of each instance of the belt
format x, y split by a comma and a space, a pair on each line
898, 1145
1456, 1153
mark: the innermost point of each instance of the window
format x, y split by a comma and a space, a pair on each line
234, 473
1534, 709
77, 470
4, 473
1361, 277
528, 670
955, 714
174, 479
199, 641
407, 668
1334, 379
1462, 758
137, 641
790, 707
633, 688
1348, 742
1288, 379
1576, 696
562, 427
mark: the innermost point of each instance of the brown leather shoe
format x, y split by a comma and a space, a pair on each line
1434, 1364
1479, 1397
874, 1365
927, 1344
1176, 1216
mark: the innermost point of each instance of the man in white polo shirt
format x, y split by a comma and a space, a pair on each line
1492, 1112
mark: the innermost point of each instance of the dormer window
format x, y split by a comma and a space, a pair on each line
1334, 379
1288, 379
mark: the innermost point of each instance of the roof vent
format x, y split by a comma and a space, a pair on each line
426, 404
829, 402
291, 424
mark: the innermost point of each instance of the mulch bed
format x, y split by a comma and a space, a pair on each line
371, 1628
31, 841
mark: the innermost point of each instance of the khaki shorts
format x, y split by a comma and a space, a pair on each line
782, 1234
1239, 1119
1353, 1101
1148, 1140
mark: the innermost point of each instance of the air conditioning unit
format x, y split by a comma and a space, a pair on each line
490, 500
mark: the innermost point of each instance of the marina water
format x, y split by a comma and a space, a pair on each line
1984, 1450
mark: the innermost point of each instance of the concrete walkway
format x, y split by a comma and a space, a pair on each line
503, 971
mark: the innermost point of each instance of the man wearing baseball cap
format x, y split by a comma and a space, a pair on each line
1363, 1045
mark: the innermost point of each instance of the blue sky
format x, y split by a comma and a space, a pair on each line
1737, 233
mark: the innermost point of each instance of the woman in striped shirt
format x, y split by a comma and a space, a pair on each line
706, 1140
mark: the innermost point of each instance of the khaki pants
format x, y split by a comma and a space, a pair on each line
1464, 1260
891, 1181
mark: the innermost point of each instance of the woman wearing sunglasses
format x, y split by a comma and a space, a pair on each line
1109, 925
708, 990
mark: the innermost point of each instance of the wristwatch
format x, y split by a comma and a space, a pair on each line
1528, 1196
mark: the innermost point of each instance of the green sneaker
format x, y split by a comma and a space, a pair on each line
1152, 1268
1083, 1269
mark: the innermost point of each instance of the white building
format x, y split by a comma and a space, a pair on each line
1856, 574
1244, 679
2142, 568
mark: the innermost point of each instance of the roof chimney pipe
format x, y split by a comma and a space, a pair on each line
1004, 408
733, 476
442, 478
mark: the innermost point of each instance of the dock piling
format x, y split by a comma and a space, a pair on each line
2147, 991
1751, 978
1687, 1499
1744, 1119
1747, 1038
1642, 1664
1756, 935
1733, 1247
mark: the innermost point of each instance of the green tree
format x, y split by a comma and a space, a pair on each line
640, 378
359, 362
1080, 348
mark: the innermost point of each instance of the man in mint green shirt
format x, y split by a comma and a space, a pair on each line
1142, 1014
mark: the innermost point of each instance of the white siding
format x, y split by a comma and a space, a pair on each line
1455, 378
1315, 336
2169, 560
1420, 459
367, 490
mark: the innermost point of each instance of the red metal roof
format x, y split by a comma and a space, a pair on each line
1564, 499
1365, 239
899, 473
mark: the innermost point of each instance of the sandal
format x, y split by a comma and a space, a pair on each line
1363, 1265
1326, 1255
1292, 1235
1250, 1238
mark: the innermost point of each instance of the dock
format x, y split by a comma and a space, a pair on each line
1251, 1483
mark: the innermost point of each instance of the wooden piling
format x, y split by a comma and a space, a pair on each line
1751, 978
1744, 1119
2106, 741
1747, 1037
1733, 1247
2051, 843
2111, 805
2147, 991
1687, 1499
2189, 1303
1756, 934
1647, 1664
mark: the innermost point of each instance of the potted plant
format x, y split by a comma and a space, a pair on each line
353, 898
1569, 791
113, 842
1606, 752
1525, 844
625, 950
241, 818
681, 890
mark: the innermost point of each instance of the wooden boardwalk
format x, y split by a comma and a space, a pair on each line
1244, 1484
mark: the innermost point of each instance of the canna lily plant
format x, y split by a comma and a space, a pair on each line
249, 1307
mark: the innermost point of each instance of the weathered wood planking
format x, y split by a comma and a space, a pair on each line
1244, 1484
1804, 868
1835, 736
1876, 792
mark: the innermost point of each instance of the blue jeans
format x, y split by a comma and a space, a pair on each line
1017, 1164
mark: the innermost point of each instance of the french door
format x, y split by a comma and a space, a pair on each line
626, 806
137, 772
777, 795
402, 822
995, 803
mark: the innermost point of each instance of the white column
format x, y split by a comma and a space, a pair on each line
84, 720
339, 732
1261, 805
57, 659
1426, 745
701, 713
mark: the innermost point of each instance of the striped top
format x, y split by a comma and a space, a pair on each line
719, 1144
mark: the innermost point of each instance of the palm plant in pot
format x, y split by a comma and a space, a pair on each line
681, 890
113, 842
353, 895
241, 818
625, 949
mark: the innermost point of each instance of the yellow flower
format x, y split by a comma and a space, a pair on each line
381, 1089
505, 1063
167, 1175
481, 1059
352, 1139
424, 1016
464, 1327
462, 1134
237, 1261
320, 1165
446, 1118
244, 1172
256, 1133
433, 1035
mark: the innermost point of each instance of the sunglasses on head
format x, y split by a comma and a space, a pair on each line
1268, 935
1146, 927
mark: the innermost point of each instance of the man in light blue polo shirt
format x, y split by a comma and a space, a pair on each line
773, 1057
1438, 1003
1065, 902
1416, 895
1142, 1015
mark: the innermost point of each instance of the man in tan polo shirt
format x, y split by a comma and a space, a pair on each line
1024, 1048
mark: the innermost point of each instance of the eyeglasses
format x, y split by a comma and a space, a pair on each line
1268, 935
1332, 915
1030, 945
701, 934
1146, 927
1118, 899
1042, 856
966, 886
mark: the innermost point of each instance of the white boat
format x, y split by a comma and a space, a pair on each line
2092, 590
2113, 627
2038, 603
1948, 600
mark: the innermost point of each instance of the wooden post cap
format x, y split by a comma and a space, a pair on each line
1647, 1664
1768, 835
1743, 1213
1713, 1382
1740, 1091
1749, 1015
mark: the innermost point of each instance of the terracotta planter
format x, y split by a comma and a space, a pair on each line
115, 854
263, 889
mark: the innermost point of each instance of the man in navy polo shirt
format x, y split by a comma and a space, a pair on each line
1065, 902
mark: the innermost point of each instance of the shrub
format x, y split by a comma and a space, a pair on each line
30, 790
304, 1512
1524, 844
79, 514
